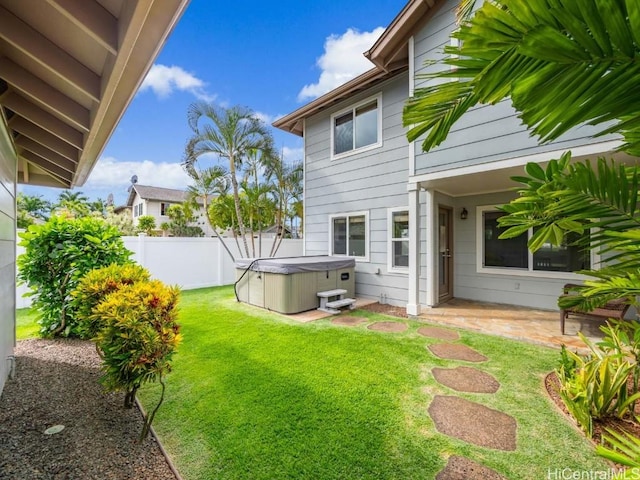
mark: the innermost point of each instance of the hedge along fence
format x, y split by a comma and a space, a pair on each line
188, 262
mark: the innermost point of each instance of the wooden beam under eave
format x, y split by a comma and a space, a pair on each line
40, 49
29, 85
25, 171
51, 168
42, 151
40, 135
91, 18
43, 119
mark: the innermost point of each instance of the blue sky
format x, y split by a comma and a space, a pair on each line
272, 57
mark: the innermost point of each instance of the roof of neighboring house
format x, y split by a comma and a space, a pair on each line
68, 71
160, 194
389, 55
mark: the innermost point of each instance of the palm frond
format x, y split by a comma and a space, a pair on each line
562, 66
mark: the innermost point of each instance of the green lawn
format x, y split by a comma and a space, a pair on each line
255, 395
26, 326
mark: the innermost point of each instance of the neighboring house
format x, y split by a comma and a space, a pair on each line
154, 201
423, 226
68, 71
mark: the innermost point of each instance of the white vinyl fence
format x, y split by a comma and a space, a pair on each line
187, 262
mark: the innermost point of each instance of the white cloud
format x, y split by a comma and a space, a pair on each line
116, 175
265, 117
292, 154
164, 80
341, 61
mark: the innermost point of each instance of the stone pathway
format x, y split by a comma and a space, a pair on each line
454, 416
463, 419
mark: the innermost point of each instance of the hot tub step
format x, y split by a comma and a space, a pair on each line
333, 307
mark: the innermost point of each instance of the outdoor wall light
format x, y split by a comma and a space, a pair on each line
464, 214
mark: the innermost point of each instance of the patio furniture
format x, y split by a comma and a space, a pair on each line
616, 308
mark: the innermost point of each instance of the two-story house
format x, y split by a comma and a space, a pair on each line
423, 226
154, 201
68, 71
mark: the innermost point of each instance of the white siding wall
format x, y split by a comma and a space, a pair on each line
486, 133
8, 165
371, 181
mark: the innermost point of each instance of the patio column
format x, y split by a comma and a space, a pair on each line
432, 248
413, 303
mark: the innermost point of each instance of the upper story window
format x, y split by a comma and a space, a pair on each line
349, 235
164, 206
511, 255
357, 129
137, 210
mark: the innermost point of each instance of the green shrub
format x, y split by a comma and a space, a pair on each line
597, 386
57, 255
95, 286
138, 337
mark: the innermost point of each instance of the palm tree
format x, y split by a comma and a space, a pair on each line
75, 203
230, 134
207, 184
562, 65
287, 186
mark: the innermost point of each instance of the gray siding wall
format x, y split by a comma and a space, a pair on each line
524, 290
371, 181
7, 252
486, 133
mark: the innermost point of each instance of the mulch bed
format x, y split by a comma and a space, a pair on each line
466, 379
461, 468
552, 385
473, 422
57, 384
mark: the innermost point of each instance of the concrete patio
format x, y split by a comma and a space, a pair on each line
526, 324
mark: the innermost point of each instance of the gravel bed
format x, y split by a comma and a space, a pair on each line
56, 383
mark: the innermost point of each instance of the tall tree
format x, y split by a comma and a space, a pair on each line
207, 184
75, 204
229, 134
562, 64
31, 208
287, 187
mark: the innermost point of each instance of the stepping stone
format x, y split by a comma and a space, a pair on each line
466, 379
388, 327
349, 321
473, 423
459, 468
439, 333
456, 351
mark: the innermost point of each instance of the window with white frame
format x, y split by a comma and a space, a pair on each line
349, 235
512, 255
398, 249
358, 128
137, 210
164, 207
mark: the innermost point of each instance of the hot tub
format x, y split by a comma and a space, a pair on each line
291, 285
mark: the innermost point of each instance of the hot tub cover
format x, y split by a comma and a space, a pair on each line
296, 264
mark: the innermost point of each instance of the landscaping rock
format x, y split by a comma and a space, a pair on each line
461, 468
466, 379
347, 321
473, 423
439, 333
390, 327
456, 351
